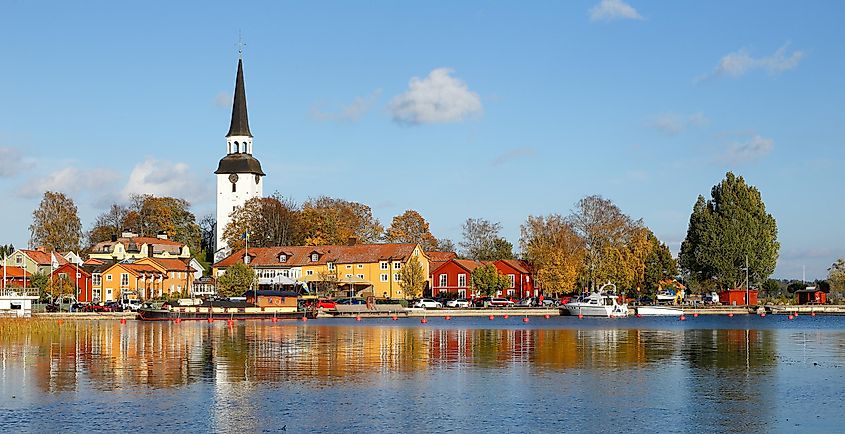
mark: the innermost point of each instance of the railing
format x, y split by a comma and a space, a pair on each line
15, 291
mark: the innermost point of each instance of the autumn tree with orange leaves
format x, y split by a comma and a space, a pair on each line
412, 228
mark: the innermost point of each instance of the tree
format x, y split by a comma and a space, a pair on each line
836, 276
659, 264
771, 287
6, 250
725, 231
42, 282
271, 221
55, 223
445, 245
327, 220
607, 234
487, 280
482, 241
208, 236
555, 251
411, 227
236, 280
148, 215
412, 278
107, 224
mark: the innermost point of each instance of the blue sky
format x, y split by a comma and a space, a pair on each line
456, 109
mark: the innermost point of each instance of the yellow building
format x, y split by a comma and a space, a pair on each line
178, 274
144, 280
131, 246
349, 269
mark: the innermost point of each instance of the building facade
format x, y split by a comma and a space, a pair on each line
454, 278
132, 246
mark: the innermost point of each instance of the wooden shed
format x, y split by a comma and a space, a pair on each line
811, 295
736, 297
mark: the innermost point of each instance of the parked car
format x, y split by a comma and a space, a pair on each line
528, 302
350, 300
114, 306
459, 302
78, 307
52, 308
499, 302
480, 302
325, 303
428, 303
131, 304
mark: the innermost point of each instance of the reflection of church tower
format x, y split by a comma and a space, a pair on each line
239, 175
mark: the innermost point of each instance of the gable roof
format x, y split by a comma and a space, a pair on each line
517, 264
169, 264
301, 255
41, 257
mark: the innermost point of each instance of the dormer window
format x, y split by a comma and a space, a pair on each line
246, 259
283, 257
315, 257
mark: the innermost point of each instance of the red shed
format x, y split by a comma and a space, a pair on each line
78, 278
454, 276
736, 297
811, 295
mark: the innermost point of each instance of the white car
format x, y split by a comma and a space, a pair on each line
428, 303
460, 302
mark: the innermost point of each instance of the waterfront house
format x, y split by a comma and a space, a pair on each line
345, 269
76, 277
273, 298
178, 273
811, 295
38, 261
453, 277
132, 246
141, 280
16, 277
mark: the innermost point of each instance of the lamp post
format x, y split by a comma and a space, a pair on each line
747, 292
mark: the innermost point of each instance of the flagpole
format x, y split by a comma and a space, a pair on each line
4, 274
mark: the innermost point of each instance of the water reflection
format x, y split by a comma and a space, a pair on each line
110, 356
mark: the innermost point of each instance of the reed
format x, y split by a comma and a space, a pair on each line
11, 328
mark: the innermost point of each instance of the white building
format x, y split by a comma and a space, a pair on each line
239, 174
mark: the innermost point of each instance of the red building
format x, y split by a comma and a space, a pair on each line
736, 297
454, 276
811, 295
76, 277
15, 277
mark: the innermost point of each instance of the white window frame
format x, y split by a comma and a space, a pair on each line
384, 277
360, 276
315, 257
384, 265
330, 265
124, 280
283, 258
462, 280
108, 277
309, 272
96, 279
512, 277
360, 265
348, 276
397, 265
348, 266
397, 277
443, 280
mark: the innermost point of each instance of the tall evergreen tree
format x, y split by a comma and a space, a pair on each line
725, 230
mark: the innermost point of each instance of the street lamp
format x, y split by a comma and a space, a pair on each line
747, 292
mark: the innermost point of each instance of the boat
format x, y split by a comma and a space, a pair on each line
257, 305
658, 311
601, 303
665, 296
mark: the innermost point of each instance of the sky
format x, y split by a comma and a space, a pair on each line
495, 110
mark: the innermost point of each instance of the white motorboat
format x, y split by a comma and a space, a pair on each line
658, 311
600, 303
665, 296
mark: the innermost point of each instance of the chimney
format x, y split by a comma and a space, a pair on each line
128, 234
114, 238
162, 235
351, 241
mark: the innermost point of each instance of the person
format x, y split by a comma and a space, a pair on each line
540, 303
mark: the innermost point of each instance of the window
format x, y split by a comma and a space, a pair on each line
63, 276
384, 265
360, 265
247, 259
330, 265
384, 277
234, 188
349, 267
315, 257
444, 278
19, 259
360, 276
97, 279
348, 276
309, 272
283, 258
462, 280
513, 280
396, 277
397, 265
108, 277
124, 279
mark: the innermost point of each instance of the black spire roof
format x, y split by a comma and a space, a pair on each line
240, 121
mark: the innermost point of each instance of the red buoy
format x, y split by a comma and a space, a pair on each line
210, 320
490, 317
762, 314
304, 319
525, 319
123, 320
275, 319
424, 321
394, 317
795, 314
695, 315
682, 318
357, 317
506, 316
730, 315
813, 313
230, 322
791, 317
448, 317
547, 316
580, 316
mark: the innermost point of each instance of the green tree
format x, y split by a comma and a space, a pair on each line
771, 287
445, 245
725, 230
327, 220
482, 241
107, 224
659, 264
42, 282
148, 215
271, 221
236, 280
412, 278
6, 250
55, 223
487, 280
412, 228
836, 276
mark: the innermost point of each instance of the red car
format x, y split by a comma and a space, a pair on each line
93, 307
326, 303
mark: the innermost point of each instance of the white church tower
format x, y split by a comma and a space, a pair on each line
239, 175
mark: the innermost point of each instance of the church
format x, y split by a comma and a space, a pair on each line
239, 174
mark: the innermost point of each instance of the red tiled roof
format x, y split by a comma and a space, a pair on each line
15, 272
301, 255
137, 269
44, 258
171, 264
469, 264
518, 265
441, 256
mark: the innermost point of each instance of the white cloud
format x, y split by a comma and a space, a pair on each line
223, 100
674, 123
70, 180
12, 162
166, 178
609, 10
741, 62
752, 149
513, 154
351, 112
438, 98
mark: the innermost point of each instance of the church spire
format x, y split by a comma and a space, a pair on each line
240, 121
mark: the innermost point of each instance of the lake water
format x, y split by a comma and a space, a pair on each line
706, 374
